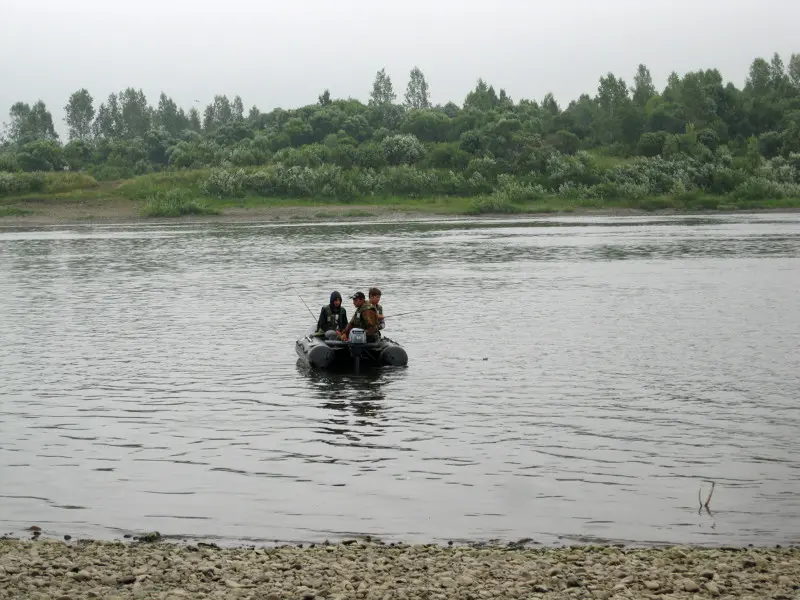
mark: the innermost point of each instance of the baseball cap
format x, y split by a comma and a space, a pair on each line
359, 295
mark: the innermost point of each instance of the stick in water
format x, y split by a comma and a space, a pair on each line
709, 495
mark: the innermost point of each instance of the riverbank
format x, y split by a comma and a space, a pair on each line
48, 212
47, 569
74, 198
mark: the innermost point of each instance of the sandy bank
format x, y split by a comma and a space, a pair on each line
104, 212
57, 570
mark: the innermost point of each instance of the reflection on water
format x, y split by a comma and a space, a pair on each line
354, 402
578, 378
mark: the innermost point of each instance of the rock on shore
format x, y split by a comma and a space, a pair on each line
49, 569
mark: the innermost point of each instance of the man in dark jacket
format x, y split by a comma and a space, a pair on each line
332, 317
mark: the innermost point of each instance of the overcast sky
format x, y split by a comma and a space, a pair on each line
285, 53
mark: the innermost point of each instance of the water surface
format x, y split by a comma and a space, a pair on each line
569, 379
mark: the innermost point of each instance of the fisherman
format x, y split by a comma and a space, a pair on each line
375, 300
365, 317
332, 318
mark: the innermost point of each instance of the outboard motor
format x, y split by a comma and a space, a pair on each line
357, 342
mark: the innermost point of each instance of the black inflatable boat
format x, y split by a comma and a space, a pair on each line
356, 352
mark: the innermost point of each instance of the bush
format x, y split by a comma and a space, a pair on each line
225, 184
758, 188
514, 190
402, 149
21, 183
9, 163
492, 204
175, 203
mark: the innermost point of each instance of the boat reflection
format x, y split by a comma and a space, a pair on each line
354, 403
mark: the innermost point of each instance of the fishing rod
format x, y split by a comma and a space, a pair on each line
400, 314
301, 298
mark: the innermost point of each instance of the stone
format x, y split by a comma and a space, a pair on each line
690, 586
712, 588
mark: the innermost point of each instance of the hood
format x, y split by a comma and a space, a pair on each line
335, 296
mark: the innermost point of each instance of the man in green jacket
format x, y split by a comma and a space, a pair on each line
365, 317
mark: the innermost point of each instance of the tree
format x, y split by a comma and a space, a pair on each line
794, 71
238, 109
324, 98
483, 97
167, 115
136, 113
108, 124
643, 88
79, 115
382, 90
613, 100
217, 113
417, 90
30, 123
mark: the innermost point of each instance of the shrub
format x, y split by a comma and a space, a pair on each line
492, 204
175, 203
21, 183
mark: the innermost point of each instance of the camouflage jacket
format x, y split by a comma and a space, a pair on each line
366, 318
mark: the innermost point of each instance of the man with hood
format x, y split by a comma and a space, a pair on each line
332, 317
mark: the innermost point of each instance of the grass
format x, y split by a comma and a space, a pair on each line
175, 203
146, 186
13, 211
59, 182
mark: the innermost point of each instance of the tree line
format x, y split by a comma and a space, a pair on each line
697, 117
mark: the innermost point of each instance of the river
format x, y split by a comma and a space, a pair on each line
570, 380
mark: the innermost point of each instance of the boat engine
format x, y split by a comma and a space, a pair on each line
357, 340
357, 344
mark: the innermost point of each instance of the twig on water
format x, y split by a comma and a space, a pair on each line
711, 491
708, 499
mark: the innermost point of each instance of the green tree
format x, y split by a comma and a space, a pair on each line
168, 117
108, 123
794, 72
417, 90
382, 90
325, 98
30, 123
483, 97
237, 109
643, 88
136, 113
79, 115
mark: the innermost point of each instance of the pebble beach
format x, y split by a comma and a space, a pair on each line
45, 569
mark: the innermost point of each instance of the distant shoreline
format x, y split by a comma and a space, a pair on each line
178, 196
54, 211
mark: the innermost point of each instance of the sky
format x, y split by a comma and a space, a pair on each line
284, 54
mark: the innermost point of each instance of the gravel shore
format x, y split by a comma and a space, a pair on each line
50, 569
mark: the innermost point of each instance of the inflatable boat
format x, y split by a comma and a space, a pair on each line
316, 351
